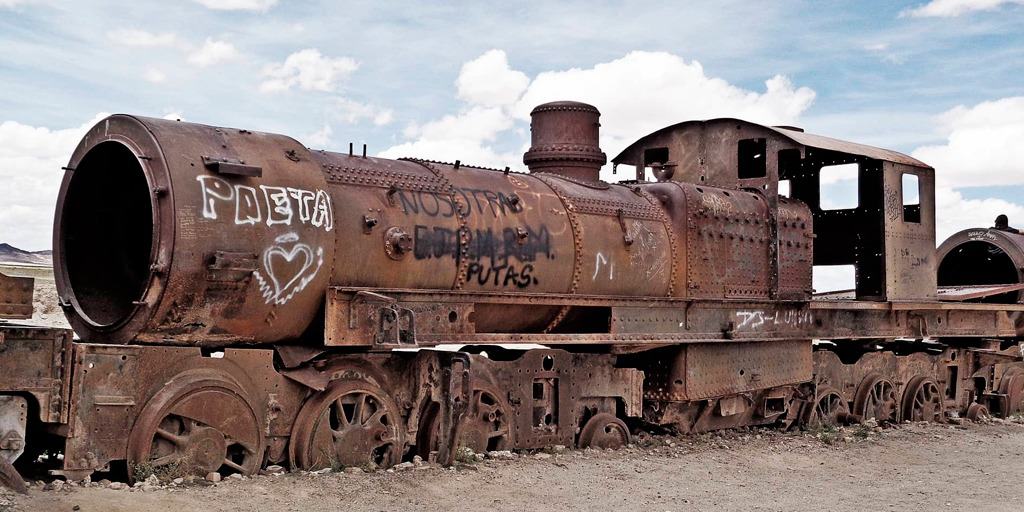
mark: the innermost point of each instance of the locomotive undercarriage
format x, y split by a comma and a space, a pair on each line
110, 408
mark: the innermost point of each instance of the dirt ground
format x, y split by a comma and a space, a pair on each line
911, 468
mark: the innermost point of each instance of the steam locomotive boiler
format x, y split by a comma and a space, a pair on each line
241, 300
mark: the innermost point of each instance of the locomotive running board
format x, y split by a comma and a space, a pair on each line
394, 319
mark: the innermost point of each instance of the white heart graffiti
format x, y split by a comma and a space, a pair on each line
281, 284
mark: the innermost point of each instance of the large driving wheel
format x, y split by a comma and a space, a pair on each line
876, 398
830, 408
922, 401
202, 421
485, 428
351, 423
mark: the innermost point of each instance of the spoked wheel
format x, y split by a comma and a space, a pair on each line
201, 422
830, 408
604, 430
922, 401
351, 423
876, 398
486, 426
1011, 386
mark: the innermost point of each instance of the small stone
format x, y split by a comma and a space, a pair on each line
870, 423
213, 476
236, 476
542, 455
323, 471
479, 457
501, 455
178, 481
404, 465
147, 487
76, 507
152, 480
104, 482
55, 485
352, 470
117, 486
417, 460
273, 469
558, 448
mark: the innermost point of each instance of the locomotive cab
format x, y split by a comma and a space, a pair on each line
888, 235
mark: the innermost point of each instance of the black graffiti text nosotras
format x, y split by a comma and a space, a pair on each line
475, 201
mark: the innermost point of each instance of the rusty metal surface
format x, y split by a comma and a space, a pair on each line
797, 136
37, 361
983, 257
565, 140
16, 297
654, 321
700, 371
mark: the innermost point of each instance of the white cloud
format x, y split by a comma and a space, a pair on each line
173, 115
136, 37
30, 169
644, 91
212, 52
320, 138
4, 4
308, 70
954, 213
981, 147
353, 111
953, 8
636, 94
238, 5
488, 80
154, 75
464, 136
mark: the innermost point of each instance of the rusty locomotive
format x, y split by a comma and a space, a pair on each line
240, 300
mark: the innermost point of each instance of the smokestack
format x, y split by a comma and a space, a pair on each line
565, 140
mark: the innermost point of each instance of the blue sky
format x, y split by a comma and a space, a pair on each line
939, 79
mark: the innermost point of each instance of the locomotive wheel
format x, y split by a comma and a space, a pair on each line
922, 401
486, 426
1012, 387
977, 412
604, 430
876, 398
351, 423
830, 408
200, 422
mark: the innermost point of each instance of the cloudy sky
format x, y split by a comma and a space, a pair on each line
941, 80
